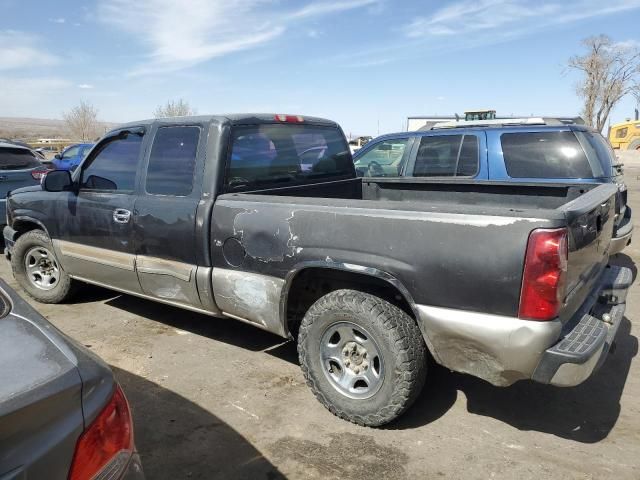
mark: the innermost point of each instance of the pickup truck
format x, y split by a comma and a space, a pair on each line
540, 150
261, 218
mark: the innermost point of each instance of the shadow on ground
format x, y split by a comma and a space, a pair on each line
178, 439
225, 330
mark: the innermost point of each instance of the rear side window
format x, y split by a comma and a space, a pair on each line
113, 167
447, 156
545, 155
281, 154
599, 151
173, 160
17, 159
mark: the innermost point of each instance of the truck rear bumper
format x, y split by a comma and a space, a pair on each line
503, 350
588, 337
622, 235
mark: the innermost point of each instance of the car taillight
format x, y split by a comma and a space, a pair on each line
108, 440
289, 118
38, 174
544, 276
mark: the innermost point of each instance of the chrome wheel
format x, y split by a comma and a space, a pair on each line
351, 360
41, 268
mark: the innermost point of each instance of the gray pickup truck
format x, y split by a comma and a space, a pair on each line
261, 218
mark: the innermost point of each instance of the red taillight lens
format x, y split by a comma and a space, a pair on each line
109, 434
289, 118
544, 276
38, 174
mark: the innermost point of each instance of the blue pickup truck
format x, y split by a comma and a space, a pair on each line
532, 150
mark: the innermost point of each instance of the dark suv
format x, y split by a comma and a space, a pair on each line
530, 150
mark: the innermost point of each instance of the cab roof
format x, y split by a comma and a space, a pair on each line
229, 119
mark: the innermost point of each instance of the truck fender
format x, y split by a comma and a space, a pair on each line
354, 269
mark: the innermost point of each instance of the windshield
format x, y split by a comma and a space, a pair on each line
17, 159
286, 153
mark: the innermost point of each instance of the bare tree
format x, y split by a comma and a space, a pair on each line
609, 72
82, 122
174, 108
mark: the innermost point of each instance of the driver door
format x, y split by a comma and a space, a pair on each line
96, 240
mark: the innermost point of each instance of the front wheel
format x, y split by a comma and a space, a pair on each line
37, 269
363, 358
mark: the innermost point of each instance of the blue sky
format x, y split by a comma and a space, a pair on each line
359, 62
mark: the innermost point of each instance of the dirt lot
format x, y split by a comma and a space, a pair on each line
219, 399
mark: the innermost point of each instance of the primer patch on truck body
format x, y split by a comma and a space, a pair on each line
249, 296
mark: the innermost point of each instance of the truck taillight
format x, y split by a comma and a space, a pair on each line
107, 443
289, 118
545, 273
38, 174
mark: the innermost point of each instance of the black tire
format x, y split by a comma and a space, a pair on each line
65, 286
634, 145
399, 343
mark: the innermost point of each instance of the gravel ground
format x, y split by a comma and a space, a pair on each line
216, 398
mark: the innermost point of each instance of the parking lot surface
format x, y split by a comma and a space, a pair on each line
215, 398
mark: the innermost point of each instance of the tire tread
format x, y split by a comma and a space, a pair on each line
406, 338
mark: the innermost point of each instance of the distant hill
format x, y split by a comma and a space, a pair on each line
30, 128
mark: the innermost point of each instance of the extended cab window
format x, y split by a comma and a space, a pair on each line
383, 160
114, 165
280, 154
545, 155
173, 161
447, 156
17, 159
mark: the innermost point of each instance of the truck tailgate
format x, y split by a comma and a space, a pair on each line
590, 220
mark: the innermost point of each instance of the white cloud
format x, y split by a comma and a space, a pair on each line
465, 24
322, 8
21, 50
465, 17
85, 86
179, 37
58, 20
628, 44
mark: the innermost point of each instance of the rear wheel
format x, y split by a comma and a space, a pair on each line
37, 269
363, 358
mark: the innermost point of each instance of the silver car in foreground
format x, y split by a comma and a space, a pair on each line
62, 415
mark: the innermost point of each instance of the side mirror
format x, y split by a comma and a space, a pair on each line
57, 156
57, 181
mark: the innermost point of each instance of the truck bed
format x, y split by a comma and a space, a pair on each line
454, 243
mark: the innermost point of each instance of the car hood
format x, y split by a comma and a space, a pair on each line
46, 381
31, 188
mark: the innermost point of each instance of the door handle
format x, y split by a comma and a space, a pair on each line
121, 215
